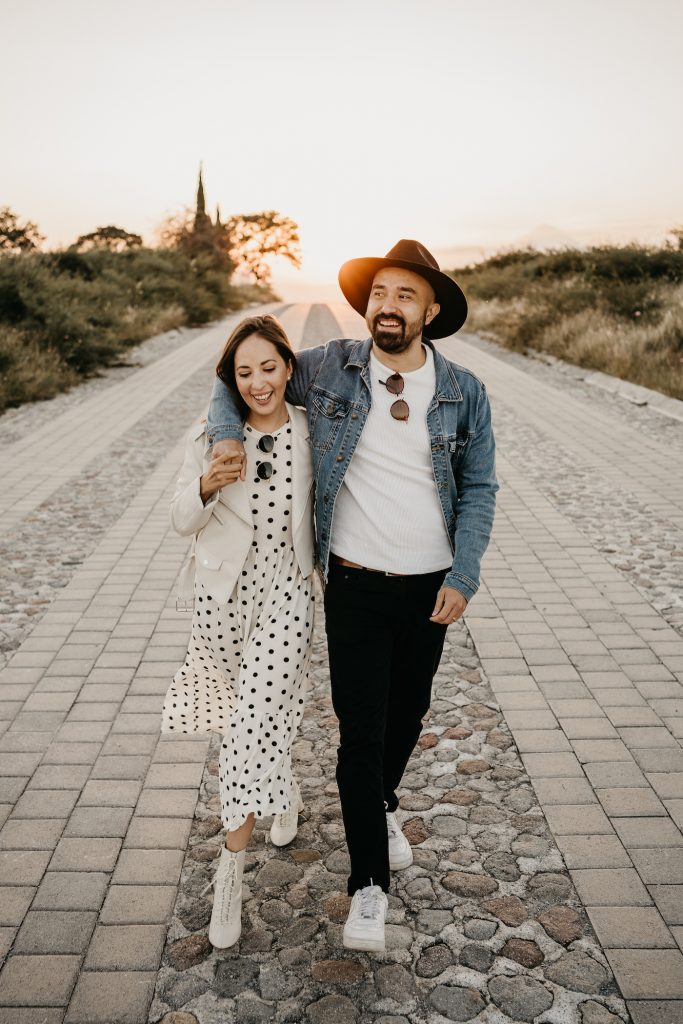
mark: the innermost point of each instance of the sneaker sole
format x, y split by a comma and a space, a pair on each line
285, 843
367, 945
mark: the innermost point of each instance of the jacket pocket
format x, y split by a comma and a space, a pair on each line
456, 445
329, 413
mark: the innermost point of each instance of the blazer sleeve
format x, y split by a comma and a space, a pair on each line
188, 513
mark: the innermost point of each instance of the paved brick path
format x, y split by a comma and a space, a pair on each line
97, 809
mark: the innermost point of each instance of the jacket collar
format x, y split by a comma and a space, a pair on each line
447, 388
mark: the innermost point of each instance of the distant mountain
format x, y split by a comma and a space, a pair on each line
543, 237
463, 255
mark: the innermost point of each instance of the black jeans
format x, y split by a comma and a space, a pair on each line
383, 653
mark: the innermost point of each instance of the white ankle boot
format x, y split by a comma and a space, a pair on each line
285, 825
364, 928
226, 915
400, 850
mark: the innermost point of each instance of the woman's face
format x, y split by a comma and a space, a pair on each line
261, 375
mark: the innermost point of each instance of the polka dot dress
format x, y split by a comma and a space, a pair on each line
246, 669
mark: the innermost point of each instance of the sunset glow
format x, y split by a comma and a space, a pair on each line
465, 125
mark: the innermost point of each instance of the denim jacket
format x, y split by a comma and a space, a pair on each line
333, 383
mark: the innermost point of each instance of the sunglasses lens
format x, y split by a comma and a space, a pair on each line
394, 384
266, 443
400, 410
264, 471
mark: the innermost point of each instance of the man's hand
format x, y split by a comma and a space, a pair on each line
231, 447
449, 606
223, 470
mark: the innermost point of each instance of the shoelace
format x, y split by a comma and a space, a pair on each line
370, 901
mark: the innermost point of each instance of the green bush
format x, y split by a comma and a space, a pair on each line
612, 308
65, 314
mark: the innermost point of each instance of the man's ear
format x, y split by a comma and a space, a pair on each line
432, 312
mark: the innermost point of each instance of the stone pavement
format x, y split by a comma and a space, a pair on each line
544, 871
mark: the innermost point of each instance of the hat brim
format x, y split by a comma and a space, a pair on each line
356, 277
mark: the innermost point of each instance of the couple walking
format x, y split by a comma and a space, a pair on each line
391, 468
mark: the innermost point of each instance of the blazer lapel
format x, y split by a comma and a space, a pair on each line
302, 474
235, 497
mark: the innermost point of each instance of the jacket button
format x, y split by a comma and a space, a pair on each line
206, 561
330, 409
340, 458
354, 415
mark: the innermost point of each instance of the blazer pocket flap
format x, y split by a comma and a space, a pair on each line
208, 561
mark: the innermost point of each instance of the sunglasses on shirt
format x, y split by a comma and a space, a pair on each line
395, 385
264, 470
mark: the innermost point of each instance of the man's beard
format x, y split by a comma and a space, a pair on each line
396, 341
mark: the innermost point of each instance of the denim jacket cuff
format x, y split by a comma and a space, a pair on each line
464, 584
225, 432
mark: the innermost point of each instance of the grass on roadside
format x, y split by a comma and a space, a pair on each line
64, 315
615, 309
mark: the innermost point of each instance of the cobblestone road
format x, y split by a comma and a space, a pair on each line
545, 804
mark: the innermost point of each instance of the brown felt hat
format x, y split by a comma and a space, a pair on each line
356, 277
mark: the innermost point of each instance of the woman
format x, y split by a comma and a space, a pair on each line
246, 669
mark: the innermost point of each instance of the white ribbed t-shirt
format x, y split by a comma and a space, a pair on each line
388, 514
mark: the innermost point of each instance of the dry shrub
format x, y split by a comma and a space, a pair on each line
29, 372
640, 349
139, 323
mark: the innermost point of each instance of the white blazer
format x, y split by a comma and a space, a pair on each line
223, 528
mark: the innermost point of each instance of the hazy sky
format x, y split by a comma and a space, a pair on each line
458, 122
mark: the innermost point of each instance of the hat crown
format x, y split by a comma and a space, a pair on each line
412, 251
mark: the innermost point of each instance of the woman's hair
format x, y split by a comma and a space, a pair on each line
268, 327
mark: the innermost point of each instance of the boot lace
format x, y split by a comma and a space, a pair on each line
286, 819
222, 886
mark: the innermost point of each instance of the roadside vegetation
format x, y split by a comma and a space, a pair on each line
618, 309
65, 314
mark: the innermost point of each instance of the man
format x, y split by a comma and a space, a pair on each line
403, 458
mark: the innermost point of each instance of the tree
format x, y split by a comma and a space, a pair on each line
678, 235
198, 238
16, 238
110, 237
255, 237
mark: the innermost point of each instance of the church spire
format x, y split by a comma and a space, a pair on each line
201, 202
200, 216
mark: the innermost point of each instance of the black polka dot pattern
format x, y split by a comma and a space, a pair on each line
246, 670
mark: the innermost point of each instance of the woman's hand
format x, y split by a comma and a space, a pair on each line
223, 470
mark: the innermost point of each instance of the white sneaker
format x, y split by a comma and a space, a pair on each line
285, 825
400, 850
226, 915
364, 928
